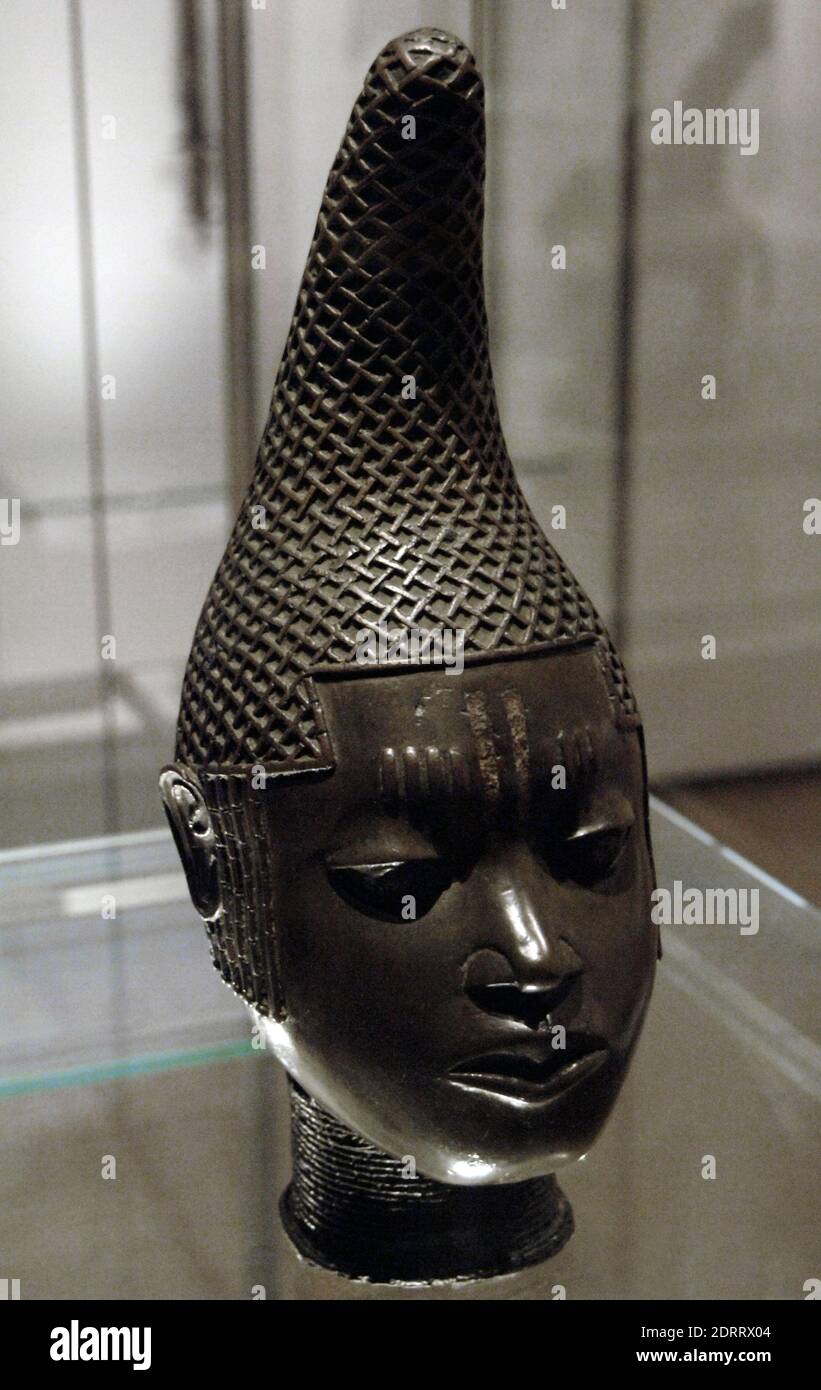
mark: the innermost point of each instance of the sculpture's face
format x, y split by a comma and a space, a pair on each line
463, 910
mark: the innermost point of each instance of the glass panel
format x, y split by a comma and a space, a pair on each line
111, 381
729, 255
118, 1038
42, 384
553, 246
165, 560
52, 730
158, 271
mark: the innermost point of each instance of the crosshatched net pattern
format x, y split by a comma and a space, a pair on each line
378, 507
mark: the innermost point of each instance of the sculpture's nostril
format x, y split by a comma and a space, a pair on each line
530, 1004
488, 967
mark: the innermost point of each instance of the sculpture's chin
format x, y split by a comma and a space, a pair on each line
512, 1149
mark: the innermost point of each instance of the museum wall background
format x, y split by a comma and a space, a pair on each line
120, 245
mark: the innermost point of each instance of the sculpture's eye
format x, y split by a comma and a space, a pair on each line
402, 891
591, 856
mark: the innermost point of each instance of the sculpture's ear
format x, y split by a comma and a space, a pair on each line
194, 837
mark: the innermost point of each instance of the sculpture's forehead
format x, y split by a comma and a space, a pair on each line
497, 715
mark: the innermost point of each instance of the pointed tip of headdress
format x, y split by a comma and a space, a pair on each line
432, 54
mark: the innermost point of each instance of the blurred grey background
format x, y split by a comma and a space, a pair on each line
147, 148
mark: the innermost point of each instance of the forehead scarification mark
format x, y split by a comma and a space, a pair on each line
460, 771
438, 771
415, 778
517, 726
409, 776
390, 777
497, 769
476, 708
579, 753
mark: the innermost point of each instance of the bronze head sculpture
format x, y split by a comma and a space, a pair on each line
431, 882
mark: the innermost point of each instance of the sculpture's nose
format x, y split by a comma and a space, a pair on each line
527, 969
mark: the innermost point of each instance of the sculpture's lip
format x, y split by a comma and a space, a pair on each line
529, 1073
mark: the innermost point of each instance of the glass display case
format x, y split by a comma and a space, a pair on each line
146, 1133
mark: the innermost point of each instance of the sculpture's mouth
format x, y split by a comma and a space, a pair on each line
528, 1074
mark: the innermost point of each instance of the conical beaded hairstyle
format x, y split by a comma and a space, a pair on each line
383, 491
